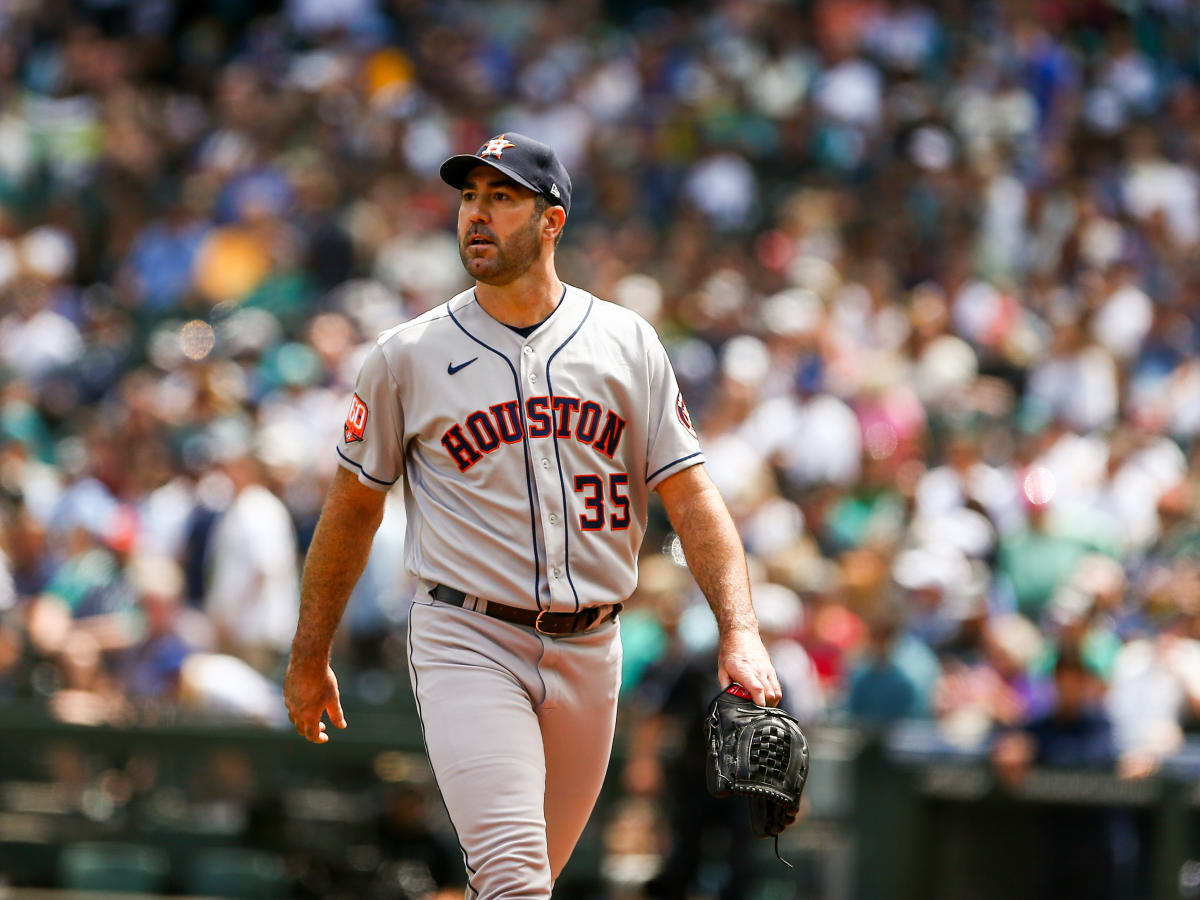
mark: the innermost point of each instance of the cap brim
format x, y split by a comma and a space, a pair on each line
454, 171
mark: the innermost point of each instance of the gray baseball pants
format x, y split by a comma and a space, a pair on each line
518, 728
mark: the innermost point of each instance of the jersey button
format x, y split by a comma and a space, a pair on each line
529, 351
545, 463
533, 376
557, 573
553, 519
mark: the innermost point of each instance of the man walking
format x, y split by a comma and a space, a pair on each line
529, 421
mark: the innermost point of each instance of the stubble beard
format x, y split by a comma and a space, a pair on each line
512, 258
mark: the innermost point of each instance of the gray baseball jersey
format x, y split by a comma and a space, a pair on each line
527, 461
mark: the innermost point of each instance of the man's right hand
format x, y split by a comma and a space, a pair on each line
308, 691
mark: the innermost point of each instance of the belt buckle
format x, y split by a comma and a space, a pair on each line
537, 624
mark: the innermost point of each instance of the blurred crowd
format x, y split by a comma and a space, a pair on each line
928, 274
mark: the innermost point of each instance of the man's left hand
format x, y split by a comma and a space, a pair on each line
744, 659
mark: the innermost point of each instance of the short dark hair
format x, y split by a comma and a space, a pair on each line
540, 205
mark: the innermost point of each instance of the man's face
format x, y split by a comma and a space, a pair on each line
499, 229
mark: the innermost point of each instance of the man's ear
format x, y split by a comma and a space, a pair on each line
554, 219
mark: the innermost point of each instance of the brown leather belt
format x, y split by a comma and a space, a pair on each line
552, 624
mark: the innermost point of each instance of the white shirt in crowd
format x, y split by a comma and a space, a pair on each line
255, 588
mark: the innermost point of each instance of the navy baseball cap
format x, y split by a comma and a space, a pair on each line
529, 163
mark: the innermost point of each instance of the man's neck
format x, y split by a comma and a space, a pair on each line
526, 301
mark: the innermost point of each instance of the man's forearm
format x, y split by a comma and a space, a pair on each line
715, 556
336, 558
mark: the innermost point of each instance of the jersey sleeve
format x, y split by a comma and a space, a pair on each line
372, 444
671, 441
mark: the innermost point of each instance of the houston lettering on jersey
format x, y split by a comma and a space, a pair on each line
485, 430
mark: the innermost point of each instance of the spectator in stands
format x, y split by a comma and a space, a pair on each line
1035, 561
1086, 849
1155, 685
879, 689
667, 757
997, 688
166, 633
253, 595
1075, 732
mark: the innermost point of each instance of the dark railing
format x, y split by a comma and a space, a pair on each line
890, 814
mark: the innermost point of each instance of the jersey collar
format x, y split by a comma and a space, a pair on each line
483, 325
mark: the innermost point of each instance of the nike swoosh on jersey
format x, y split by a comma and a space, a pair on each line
451, 369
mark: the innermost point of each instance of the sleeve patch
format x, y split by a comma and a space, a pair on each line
685, 417
356, 421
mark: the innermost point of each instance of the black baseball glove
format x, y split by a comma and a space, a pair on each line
758, 752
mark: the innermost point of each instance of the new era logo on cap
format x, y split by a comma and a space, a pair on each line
529, 163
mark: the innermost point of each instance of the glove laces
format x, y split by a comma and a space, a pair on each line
780, 858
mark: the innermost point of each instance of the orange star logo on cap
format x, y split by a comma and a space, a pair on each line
496, 146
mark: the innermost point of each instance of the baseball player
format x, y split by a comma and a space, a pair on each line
528, 421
